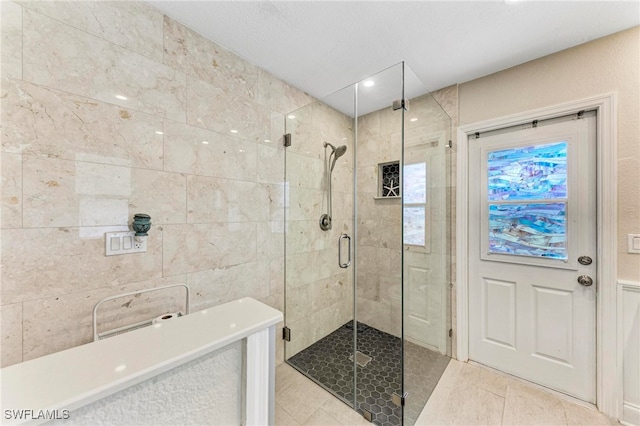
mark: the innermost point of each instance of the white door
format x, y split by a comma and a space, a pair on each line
532, 231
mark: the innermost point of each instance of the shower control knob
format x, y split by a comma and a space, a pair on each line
325, 222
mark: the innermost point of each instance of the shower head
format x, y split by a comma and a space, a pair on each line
337, 152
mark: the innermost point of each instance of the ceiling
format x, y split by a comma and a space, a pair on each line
321, 46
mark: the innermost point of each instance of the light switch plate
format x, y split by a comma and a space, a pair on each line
124, 242
634, 243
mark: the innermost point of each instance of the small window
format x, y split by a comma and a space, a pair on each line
415, 204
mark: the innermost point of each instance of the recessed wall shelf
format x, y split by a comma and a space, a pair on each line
389, 180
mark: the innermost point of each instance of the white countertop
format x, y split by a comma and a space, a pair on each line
78, 376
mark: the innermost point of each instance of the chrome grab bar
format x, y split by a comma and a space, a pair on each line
344, 265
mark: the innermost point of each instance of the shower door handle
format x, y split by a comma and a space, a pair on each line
344, 265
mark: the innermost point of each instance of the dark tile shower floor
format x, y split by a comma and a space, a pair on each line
327, 363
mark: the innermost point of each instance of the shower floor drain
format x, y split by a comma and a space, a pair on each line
361, 359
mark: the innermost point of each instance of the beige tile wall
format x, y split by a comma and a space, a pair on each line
77, 161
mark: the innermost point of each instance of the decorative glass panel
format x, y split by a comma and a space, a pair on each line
528, 173
538, 230
415, 183
414, 223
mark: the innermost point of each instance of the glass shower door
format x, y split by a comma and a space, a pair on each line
426, 251
318, 292
366, 245
378, 246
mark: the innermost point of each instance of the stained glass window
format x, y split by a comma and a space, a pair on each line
527, 195
529, 173
528, 229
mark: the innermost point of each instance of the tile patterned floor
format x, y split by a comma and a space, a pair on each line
465, 395
328, 363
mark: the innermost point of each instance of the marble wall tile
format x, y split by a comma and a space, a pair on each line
276, 194
133, 24
270, 164
305, 172
11, 334
276, 276
301, 339
193, 54
222, 156
213, 287
41, 121
198, 247
62, 57
368, 285
270, 240
11, 28
74, 311
298, 303
304, 203
213, 108
45, 262
375, 314
11, 190
212, 199
306, 235
305, 268
62, 193
278, 95
330, 291
326, 321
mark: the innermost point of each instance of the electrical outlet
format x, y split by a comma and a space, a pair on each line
124, 243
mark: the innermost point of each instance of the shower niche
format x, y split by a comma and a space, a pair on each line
374, 331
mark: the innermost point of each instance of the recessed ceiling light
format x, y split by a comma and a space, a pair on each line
205, 142
120, 368
122, 98
413, 119
267, 141
369, 83
291, 116
158, 132
241, 150
234, 131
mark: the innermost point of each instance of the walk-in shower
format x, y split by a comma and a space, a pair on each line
325, 218
373, 331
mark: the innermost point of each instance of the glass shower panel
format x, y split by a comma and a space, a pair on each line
427, 187
378, 245
319, 293
367, 179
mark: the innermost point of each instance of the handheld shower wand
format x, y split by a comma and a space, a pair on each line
325, 219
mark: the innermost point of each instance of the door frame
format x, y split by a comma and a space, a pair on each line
607, 389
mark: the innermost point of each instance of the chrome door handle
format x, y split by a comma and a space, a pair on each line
585, 280
344, 265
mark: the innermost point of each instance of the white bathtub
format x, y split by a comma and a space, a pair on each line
215, 366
